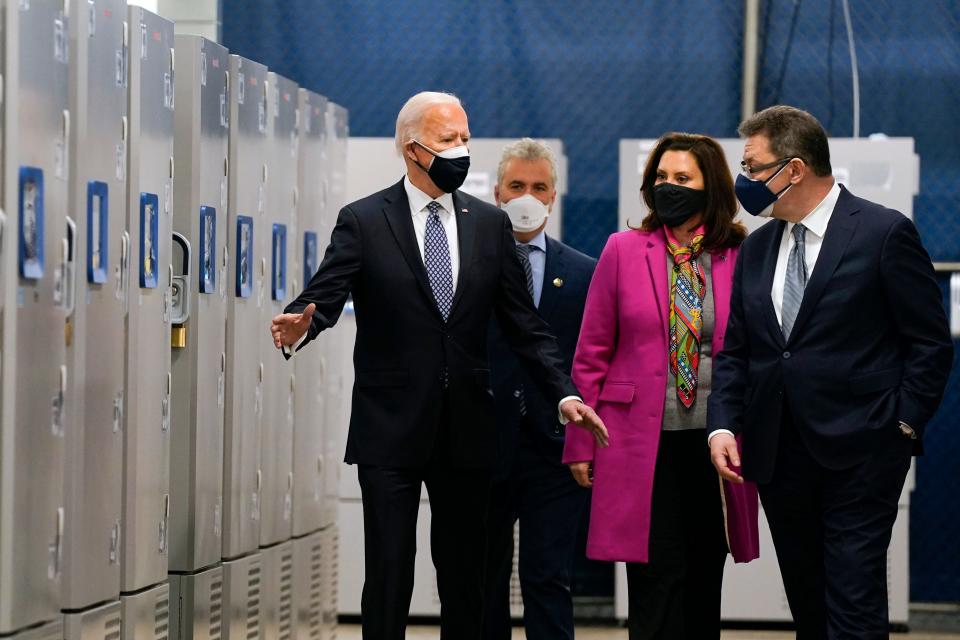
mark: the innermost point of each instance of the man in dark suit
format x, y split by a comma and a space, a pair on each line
836, 356
531, 484
427, 266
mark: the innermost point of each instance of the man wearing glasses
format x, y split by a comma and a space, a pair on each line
836, 356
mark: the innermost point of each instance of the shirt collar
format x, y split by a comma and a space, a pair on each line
419, 200
538, 241
817, 220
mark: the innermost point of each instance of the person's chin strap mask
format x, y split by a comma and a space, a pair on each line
449, 168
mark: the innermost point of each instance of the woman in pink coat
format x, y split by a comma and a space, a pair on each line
655, 315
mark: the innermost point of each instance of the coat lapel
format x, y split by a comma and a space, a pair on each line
721, 276
554, 269
396, 209
766, 284
835, 241
466, 238
657, 269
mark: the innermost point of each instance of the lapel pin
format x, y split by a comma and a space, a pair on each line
463, 211
558, 282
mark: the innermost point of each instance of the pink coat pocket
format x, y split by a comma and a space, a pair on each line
622, 392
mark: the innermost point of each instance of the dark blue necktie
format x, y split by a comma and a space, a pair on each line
436, 258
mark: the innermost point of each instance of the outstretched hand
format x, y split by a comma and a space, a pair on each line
288, 328
586, 418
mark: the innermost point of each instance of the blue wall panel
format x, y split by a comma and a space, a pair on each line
593, 73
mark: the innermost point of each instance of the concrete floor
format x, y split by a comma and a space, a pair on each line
352, 632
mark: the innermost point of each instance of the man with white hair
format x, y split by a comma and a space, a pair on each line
531, 483
428, 266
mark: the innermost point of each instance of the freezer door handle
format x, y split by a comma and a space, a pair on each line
123, 271
180, 282
69, 250
58, 404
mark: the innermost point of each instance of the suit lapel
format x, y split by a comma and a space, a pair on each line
835, 241
657, 269
554, 269
466, 238
766, 285
396, 209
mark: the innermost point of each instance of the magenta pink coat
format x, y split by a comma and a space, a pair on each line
620, 368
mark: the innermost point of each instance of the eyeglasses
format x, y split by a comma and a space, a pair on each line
748, 170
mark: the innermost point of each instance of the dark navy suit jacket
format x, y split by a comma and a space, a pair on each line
565, 282
870, 347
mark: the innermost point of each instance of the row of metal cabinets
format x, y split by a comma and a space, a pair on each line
162, 200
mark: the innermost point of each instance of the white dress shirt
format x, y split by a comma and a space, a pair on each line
816, 223
418, 209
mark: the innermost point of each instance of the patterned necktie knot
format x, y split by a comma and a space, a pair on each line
682, 254
799, 233
434, 207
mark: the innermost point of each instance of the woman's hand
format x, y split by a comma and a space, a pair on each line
582, 473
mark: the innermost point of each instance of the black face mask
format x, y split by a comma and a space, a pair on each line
675, 204
449, 168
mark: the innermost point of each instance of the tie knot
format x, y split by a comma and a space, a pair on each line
434, 207
799, 232
523, 250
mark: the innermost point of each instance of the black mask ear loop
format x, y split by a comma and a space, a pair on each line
426, 170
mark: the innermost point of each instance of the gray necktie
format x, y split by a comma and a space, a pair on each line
795, 282
523, 253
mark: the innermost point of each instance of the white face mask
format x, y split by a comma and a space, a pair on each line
526, 212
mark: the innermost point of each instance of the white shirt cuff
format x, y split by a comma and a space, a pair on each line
563, 419
290, 350
715, 432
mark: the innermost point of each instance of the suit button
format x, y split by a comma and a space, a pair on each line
786, 355
556, 430
516, 393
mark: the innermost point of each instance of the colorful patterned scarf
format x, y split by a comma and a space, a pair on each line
687, 289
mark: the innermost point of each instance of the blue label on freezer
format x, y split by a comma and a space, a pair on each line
244, 256
279, 275
208, 249
30, 216
309, 256
149, 236
97, 231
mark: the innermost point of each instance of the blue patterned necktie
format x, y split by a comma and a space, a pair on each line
436, 258
795, 281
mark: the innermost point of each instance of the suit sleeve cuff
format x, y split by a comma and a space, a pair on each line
563, 419
715, 432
